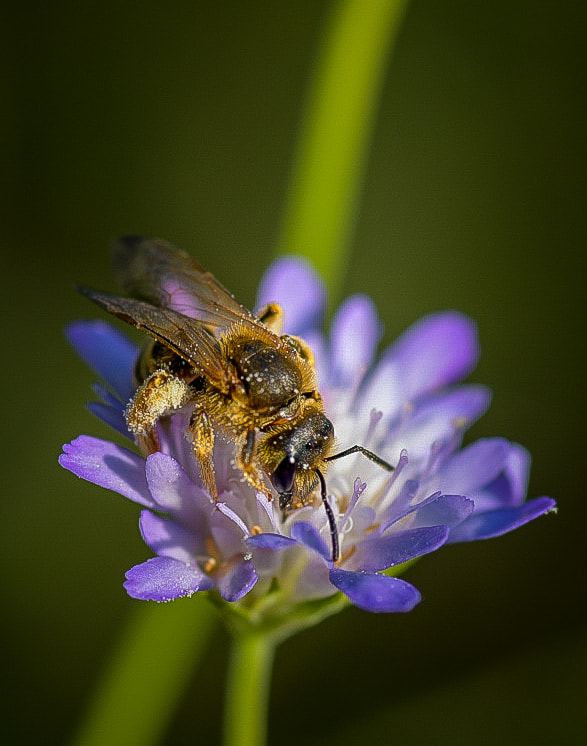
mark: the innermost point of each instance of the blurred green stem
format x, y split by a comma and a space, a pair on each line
335, 134
146, 674
247, 691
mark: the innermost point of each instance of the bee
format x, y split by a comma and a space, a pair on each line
238, 374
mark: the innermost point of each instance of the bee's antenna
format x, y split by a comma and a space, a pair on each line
330, 516
359, 449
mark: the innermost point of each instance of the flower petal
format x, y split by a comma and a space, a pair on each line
168, 539
439, 418
174, 491
308, 535
165, 579
354, 336
108, 352
400, 506
518, 471
313, 582
110, 410
112, 417
473, 467
437, 350
292, 282
381, 552
510, 486
276, 542
374, 592
108, 465
237, 579
381, 391
445, 510
497, 522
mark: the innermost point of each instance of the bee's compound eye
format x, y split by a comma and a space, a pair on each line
283, 478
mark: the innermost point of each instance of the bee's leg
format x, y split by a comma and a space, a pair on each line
202, 434
148, 442
302, 348
246, 464
159, 395
272, 316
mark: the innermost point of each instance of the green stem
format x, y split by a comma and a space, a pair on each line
146, 674
335, 134
247, 693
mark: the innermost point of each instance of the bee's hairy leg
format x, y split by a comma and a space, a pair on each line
202, 434
272, 316
148, 442
159, 395
304, 351
246, 464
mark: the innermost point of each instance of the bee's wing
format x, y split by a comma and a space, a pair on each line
155, 271
187, 337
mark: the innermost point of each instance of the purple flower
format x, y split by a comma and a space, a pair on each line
409, 407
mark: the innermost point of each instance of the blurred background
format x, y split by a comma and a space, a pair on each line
182, 123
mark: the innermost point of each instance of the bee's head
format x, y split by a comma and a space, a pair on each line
298, 450
297, 473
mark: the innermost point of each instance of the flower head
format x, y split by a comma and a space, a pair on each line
408, 407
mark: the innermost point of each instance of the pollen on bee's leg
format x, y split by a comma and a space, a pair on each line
159, 395
202, 434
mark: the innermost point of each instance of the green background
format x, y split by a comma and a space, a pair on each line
181, 122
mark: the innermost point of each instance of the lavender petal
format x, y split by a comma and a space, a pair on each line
374, 592
112, 417
168, 539
354, 335
108, 352
291, 282
440, 417
237, 580
276, 542
446, 510
473, 467
306, 534
510, 486
164, 579
174, 491
389, 550
437, 350
497, 522
108, 465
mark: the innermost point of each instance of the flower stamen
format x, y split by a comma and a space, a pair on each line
345, 556
210, 565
